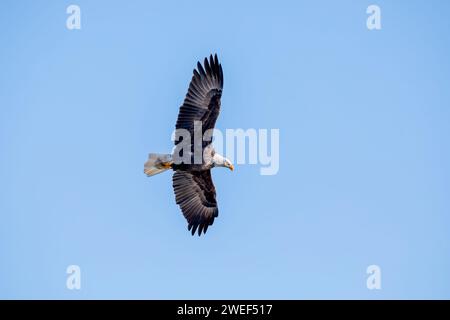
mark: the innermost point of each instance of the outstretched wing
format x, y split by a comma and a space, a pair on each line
196, 195
202, 101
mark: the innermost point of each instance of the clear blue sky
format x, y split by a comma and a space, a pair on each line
364, 155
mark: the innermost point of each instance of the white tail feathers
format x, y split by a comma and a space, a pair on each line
157, 163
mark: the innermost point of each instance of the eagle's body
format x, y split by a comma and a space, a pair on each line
194, 190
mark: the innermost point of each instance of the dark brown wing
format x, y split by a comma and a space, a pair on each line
202, 101
196, 195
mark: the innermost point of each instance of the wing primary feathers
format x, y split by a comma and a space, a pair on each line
207, 67
196, 195
202, 101
201, 70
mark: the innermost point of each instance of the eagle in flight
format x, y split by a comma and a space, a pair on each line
192, 183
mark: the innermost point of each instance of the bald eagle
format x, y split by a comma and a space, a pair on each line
192, 183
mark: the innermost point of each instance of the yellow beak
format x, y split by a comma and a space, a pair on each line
231, 167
